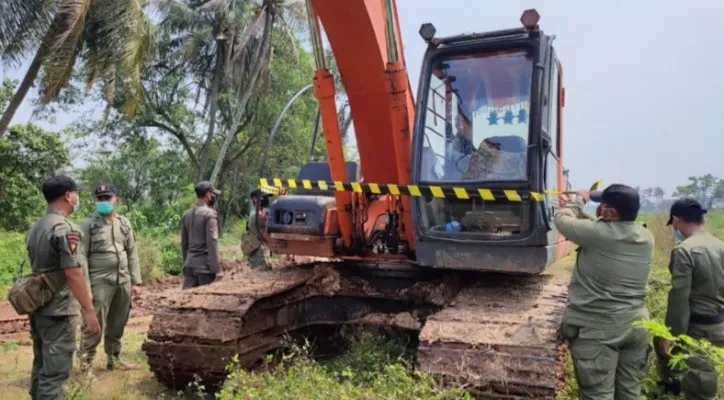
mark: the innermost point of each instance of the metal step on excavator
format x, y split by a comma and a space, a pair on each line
443, 228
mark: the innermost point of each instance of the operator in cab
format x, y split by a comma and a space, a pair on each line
607, 292
460, 147
696, 299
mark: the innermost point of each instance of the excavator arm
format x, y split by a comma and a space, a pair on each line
448, 188
463, 175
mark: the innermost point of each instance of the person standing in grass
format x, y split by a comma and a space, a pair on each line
114, 274
607, 292
252, 243
696, 299
200, 238
54, 249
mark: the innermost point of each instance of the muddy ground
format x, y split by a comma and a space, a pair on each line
14, 327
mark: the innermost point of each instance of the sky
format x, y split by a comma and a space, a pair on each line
643, 80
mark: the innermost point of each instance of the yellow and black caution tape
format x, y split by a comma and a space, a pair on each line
437, 191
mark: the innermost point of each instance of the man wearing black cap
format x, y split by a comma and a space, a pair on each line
200, 238
606, 294
54, 249
114, 273
696, 298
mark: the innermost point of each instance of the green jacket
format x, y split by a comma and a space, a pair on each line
697, 280
54, 244
609, 282
111, 250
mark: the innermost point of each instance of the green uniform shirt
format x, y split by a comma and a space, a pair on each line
697, 280
53, 244
111, 249
608, 286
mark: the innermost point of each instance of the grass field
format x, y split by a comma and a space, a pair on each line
374, 366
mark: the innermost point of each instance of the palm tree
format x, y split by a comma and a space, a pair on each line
226, 46
113, 38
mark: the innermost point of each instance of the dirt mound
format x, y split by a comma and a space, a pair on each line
17, 327
150, 298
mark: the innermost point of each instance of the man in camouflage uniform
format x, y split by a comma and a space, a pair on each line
696, 298
200, 238
252, 244
54, 248
114, 274
606, 294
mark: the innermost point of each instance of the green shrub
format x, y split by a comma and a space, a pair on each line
365, 371
171, 250
12, 253
150, 258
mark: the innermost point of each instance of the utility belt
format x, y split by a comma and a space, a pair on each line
706, 319
30, 293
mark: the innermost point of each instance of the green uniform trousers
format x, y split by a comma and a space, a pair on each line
700, 380
112, 303
53, 347
260, 257
609, 363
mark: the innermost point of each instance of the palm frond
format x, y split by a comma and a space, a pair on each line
119, 40
63, 46
71, 15
290, 35
214, 5
140, 47
254, 28
23, 25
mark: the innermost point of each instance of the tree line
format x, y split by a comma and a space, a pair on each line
189, 90
707, 189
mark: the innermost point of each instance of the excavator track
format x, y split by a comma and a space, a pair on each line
497, 337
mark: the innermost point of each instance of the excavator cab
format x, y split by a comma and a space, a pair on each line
488, 121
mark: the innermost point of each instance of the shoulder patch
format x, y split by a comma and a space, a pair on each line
73, 239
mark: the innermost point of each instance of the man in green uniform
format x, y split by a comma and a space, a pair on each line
114, 275
252, 244
606, 294
696, 298
200, 238
54, 248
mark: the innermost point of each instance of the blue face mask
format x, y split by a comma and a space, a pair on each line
677, 234
104, 207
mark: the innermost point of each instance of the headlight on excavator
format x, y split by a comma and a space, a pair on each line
427, 31
530, 19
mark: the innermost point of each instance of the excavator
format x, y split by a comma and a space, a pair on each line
444, 227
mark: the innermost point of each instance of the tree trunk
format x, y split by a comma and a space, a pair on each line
344, 128
262, 58
213, 106
23, 89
